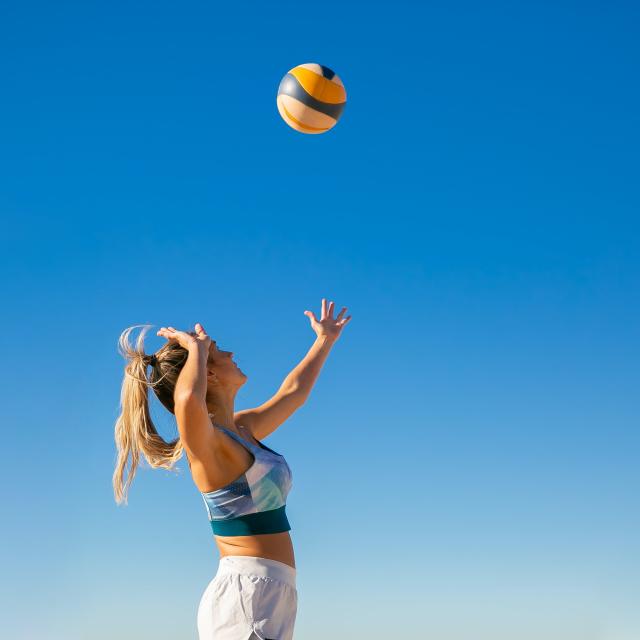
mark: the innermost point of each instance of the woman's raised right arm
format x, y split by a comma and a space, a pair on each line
190, 406
192, 381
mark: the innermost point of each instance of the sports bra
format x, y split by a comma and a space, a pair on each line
254, 502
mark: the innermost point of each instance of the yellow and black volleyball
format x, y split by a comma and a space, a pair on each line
311, 98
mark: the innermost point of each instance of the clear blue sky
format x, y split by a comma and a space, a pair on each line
466, 467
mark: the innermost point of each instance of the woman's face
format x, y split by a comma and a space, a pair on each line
220, 362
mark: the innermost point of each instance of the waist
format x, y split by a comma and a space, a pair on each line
276, 546
256, 566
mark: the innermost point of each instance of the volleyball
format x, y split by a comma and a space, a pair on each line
311, 98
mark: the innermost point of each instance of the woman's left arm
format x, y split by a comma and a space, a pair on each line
328, 330
297, 386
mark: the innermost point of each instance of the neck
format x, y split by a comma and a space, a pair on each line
221, 404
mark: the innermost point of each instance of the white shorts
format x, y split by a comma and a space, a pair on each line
249, 598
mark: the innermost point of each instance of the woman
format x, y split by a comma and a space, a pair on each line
244, 484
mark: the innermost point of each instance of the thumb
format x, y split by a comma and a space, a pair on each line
311, 315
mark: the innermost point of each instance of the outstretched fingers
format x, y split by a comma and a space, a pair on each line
311, 315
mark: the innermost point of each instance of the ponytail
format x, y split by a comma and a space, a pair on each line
135, 432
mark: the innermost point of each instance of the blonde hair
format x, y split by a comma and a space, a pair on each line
135, 432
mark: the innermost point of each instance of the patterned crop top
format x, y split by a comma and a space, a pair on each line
253, 503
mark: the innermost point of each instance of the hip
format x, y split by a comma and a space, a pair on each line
249, 595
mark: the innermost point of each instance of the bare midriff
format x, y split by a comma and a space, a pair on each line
274, 546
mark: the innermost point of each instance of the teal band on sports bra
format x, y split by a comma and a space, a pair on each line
273, 521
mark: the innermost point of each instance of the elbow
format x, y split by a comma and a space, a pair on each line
299, 397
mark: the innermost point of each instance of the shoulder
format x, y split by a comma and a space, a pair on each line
244, 419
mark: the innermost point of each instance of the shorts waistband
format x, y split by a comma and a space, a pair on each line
258, 566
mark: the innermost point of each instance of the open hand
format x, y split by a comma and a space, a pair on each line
186, 339
327, 325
